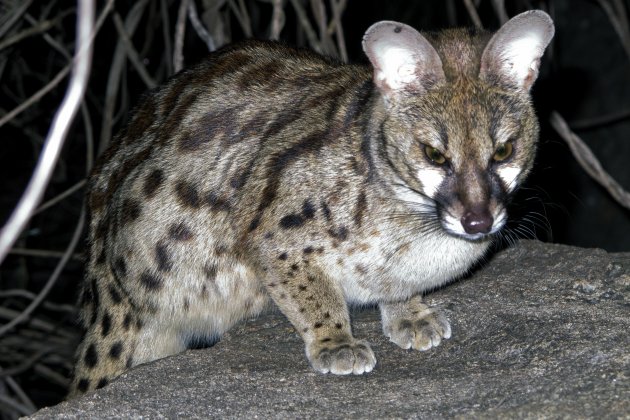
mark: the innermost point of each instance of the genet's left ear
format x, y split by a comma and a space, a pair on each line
512, 56
403, 60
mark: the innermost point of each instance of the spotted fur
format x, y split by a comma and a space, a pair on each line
268, 174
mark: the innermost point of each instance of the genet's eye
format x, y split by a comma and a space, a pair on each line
503, 152
434, 155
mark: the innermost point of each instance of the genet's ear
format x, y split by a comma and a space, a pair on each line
403, 60
512, 56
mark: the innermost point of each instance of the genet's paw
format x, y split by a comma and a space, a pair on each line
422, 332
342, 357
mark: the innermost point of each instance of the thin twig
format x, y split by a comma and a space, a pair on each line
23, 316
337, 9
60, 126
472, 12
242, 17
618, 24
42, 253
199, 28
588, 161
132, 53
33, 30
166, 36
306, 25
180, 32
15, 16
499, 8
278, 19
594, 122
115, 74
17, 389
60, 197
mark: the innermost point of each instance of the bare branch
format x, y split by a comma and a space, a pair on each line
588, 161
338, 8
306, 25
14, 17
277, 19
180, 32
132, 53
61, 125
199, 28
472, 12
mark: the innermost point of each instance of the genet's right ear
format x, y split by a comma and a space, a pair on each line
403, 60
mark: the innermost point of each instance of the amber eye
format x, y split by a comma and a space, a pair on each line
503, 152
434, 155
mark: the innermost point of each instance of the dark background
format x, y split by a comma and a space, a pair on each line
585, 77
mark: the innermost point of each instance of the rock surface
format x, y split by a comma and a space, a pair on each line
540, 331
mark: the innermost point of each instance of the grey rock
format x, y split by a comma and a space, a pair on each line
540, 331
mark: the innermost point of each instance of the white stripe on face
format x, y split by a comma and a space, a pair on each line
508, 175
431, 180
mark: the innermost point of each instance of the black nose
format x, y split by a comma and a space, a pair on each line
477, 220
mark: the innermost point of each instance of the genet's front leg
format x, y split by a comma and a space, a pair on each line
413, 324
317, 309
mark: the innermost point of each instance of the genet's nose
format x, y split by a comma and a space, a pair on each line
477, 220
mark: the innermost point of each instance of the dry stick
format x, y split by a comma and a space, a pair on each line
132, 53
15, 17
57, 134
33, 30
199, 28
21, 408
499, 8
58, 78
306, 25
618, 24
472, 12
278, 19
337, 9
588, 161
35, 322
593, 122
166, 36
20, 393
242, 16
60, 197
113, 80
42, 253
180, 32
30, 295
51, 375
53, 278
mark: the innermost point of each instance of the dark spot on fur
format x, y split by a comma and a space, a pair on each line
130, 211
217, 203
308, 210
302, 287
116, 350
327, 315
318, 325
398, 29
120, 267
309, 250
325, 340
162, 257
127, 322
302, 310
187, 194
113, 293
180, 232
291, 221
360, 209
341, 233
152, 182
294, 267
186, 304
326, 211
283, 295
95, 301
305, 330
150, 281
210, 270
91, 357
106, 324
101, 383
283, 256
339, 325
83, 384
129, 362
310, 278
100, 260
